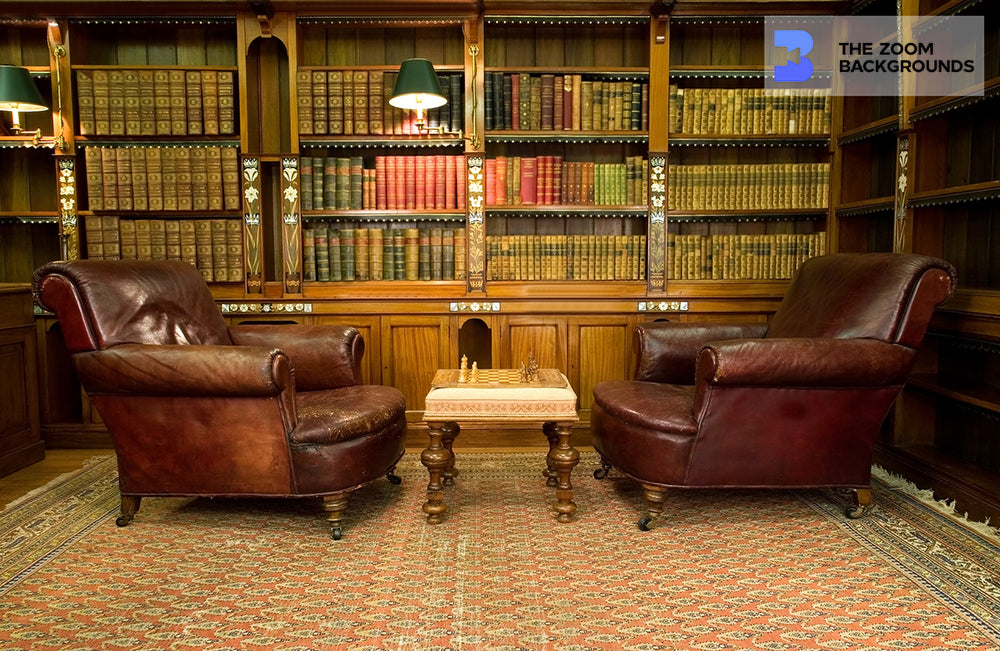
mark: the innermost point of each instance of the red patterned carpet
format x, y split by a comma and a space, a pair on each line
726, 570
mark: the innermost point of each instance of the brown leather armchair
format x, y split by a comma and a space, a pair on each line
797, 402
196, 407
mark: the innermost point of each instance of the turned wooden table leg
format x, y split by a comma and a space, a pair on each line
448, 433
436, 458
563, 458
550, 473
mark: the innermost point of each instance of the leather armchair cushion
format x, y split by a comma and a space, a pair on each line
334, 415
649, 405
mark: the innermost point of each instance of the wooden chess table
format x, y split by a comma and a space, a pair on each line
499, 396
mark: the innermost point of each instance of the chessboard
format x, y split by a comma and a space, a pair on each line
497, 377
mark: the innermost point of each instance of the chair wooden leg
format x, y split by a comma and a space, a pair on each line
655, 496
335, 506
130, 505
863, 503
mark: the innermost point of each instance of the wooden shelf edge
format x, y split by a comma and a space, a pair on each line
955, 194
868, 130
976, 491
980, 397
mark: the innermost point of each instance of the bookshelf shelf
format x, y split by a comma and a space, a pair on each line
567, 137
940, 105
879, 127
568, 211
955, 195
738, 216
382, 141
383, 215
754, 140
980, 397
29, 218
866, 207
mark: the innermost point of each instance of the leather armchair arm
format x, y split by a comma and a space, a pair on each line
667, 352
804, 363
323, 356
197, 371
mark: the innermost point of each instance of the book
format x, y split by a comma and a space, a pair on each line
178, 103
85, 102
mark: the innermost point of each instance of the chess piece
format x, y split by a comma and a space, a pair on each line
532, 368
463, 370
475, 373
523, 373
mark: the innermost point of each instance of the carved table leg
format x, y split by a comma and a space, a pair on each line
448, 433
436, 458
550, 473
562, 459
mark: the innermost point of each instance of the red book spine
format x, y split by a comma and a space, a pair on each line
567, 103
390, 182
557, 194
450, 183
501, 181
460, 182
491, 181
421, 187
440, 182
399, 179
529, 181
410, 180
380, 184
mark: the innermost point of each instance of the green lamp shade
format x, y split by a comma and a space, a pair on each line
18, 92
417, 86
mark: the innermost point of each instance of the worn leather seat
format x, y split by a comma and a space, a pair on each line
196, 407
797, 402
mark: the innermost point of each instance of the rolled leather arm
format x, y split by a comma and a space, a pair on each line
667, 352
142, 369
804, 363
323, 356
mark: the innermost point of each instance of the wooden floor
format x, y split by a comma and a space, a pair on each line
56, 463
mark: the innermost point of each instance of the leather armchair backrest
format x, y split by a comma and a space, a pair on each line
104, 303
885, 296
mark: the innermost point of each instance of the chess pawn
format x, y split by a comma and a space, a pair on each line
463, 369
523, 373
475, 372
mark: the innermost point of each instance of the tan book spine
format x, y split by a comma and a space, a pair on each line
360, 93
231, 179
304, 101
227, 102
172, 238
185, 180
147, 103
109, 170
130, 99
161, 102
116, 103
140, 183
126, 229
95, 178
85, 101
210, 102
234, 250
193, 98
154, 177
178, 103
203, 248
213, 177
102, 103
189, 245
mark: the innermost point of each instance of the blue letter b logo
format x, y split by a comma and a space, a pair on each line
794, 39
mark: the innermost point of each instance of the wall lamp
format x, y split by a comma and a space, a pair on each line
19, 93
417, 88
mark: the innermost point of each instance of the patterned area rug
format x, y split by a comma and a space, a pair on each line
725, 569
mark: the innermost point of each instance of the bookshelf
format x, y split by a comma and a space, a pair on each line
944, 432
380, 200
29, 215
567, 168
748, 169
157, 133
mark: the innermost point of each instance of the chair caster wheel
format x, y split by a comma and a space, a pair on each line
644, 523
336, 533
123, 520
394, 479
601, 473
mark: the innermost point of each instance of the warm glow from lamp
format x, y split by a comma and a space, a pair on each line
417, 87
19, 93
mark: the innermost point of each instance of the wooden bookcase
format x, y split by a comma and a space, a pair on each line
930, 183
